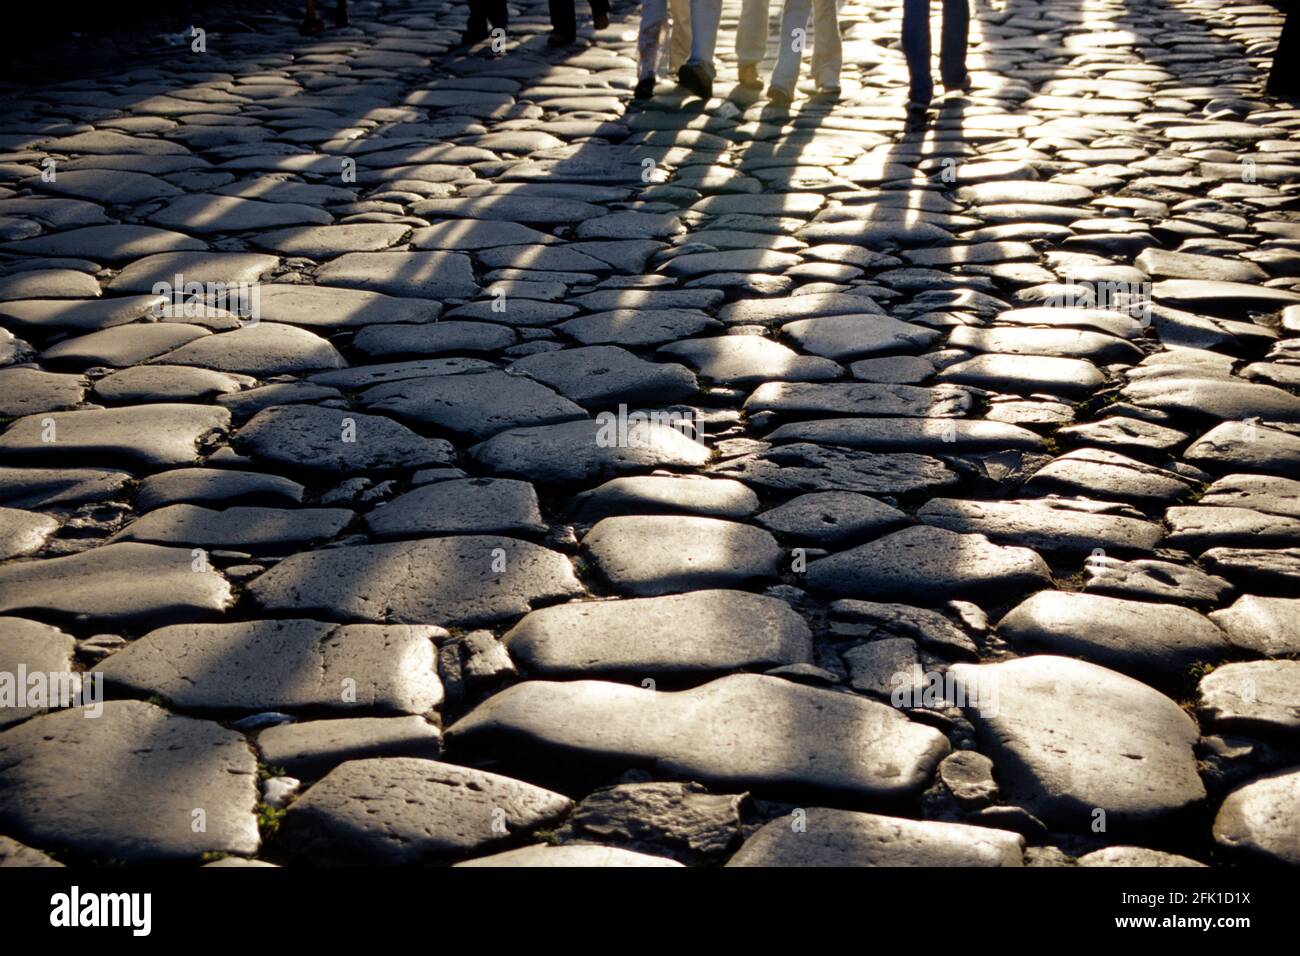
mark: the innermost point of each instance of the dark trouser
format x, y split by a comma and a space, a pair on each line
952, 47
565, 20
1284, 77
485, 12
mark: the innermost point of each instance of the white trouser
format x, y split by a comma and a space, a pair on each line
751, 32
705, 17
827, 56
655, 21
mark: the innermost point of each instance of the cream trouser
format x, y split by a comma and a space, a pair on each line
827, 56
655, 22
705, 17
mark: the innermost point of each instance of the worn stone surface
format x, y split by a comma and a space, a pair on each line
336, 441
1265, 625
659, 554
699, 632
451, 581
116, 582
284, 665
408, 810
146, 437
38, 648
845, 838
1258, 819
1160, 641
1068, 737
314, 747
384, 333
1255, 697
91, 786
574, 854
833, 742
927, 564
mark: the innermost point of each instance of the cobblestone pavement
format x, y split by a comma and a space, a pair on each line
965, 528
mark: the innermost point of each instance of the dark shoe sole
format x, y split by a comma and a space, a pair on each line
696, 81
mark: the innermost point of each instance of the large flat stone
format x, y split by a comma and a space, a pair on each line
24, 532
830, 742
1254, 698
314, 438
1023, 376
460, 506
569, 855
129, 785
701, 632
842, 838
578, 452
284, 665
38, 648
1265, 625
847, 337
661, 554
859, 398
1160, 641
805, 467
255, 529
1258, 819
448, 581
227, 268
403, 810
264, 350
1214, 398
605, 375
127, 583
423, 275
929, 565
331, 307
1240, 446
750, 360
1068, 738
39, 487
207, 213
664, 494
474, 405
312, 748
1046, 524
949, 436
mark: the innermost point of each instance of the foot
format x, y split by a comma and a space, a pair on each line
696, 79
749, 76
311, 27
829, 92
561, 39
471, 37
918, 114
779, 95
964, 85
600, 22
644, 89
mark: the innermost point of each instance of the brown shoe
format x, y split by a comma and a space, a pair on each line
749, 76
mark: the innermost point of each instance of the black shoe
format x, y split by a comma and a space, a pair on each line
561, 39
471, 37
644, 89
696, 79
600, 22
918, 115
779, 96
964, 85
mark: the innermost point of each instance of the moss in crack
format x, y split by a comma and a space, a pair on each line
269, 819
